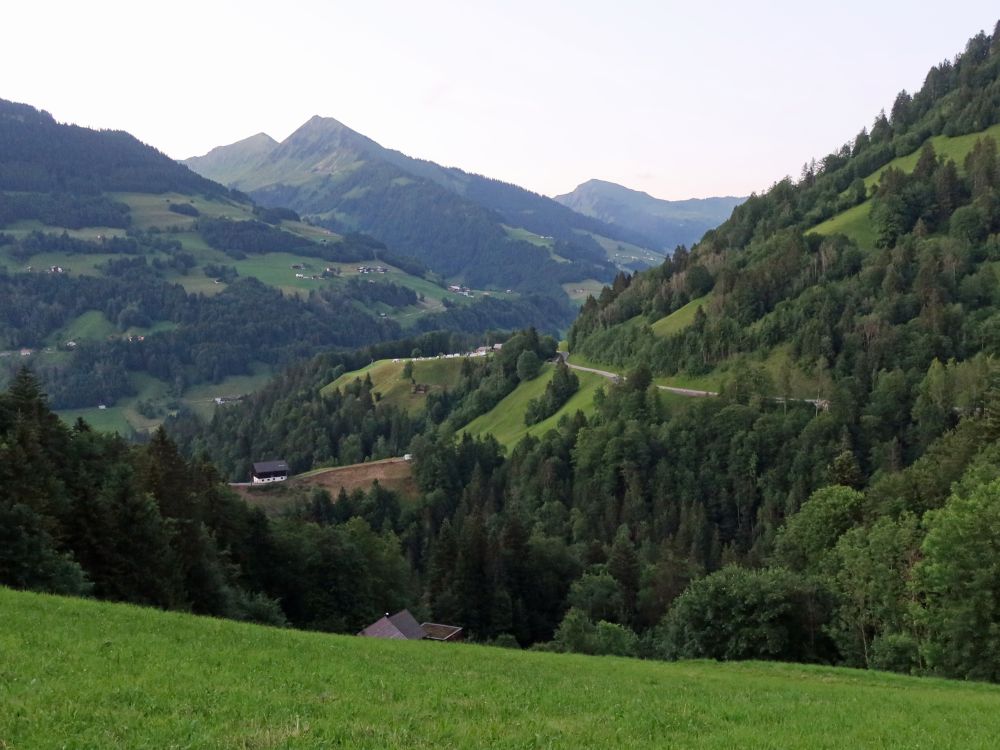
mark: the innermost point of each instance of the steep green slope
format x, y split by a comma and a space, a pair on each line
681, 318
84, 674
855, 222
387, 380
505, 421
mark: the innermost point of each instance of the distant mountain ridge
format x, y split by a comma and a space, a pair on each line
38, 154
665, 224
229, 162
462, 225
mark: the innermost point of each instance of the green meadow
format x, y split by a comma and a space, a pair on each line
854, 222
505, 421
624, 253
681, 318
578, 291
387, 379
82, 674
950, 147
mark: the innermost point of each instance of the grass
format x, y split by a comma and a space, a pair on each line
518, 233
201, 398
624, 253
24, 227
111, 419
950, 147
681, 318
505, 421
82, 674
578, 291
124, 416
582, 361
387, 379
153, 210
801, 384
854, 222
91, 325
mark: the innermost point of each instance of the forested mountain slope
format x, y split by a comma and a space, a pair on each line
464, 226
665, 224
135, 287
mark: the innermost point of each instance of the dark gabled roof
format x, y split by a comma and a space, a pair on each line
265, 467
407, 625
438, 632
382, 628
400, 626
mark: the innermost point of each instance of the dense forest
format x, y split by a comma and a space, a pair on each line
39, 155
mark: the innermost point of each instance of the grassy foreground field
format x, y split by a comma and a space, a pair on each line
80, 674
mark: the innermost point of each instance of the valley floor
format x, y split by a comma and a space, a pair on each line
81, 674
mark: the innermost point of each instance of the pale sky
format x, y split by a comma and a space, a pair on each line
678, 99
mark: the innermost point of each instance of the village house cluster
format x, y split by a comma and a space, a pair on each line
480, 351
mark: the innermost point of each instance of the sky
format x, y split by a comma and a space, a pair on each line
677, 99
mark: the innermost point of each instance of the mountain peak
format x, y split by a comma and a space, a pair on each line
665, 223
323, 137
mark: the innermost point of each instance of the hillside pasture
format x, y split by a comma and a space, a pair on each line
387, 379
505, 421
855, 222
84, 674
681, 318
578, 291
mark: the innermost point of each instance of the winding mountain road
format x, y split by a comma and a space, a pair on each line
820, 403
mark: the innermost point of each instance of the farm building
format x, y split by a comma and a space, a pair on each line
403, 626
265, 472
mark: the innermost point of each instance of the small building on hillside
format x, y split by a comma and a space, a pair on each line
265, 472
403, 626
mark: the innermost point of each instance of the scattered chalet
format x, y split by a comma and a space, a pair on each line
402, 626
265, 472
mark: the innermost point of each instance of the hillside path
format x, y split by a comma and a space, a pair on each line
692, 392
820, 403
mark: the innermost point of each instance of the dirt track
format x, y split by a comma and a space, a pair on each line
391, 473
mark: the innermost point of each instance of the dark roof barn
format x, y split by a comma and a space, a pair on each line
270, 467
400, 626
